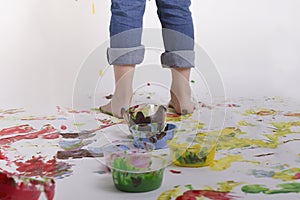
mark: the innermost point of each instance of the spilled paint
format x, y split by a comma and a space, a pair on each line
173, 171
25, 128
100, 72
244, 123
37, 166
188, 192
287, 175
284, 188
261, 112
228, 138
74, 144
228, 186
292, 114
224, 163
210, 194
27, 132
93, 8
12, 111
262, 173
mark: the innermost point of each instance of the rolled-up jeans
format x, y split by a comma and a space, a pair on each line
126, 31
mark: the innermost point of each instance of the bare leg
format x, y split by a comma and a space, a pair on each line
123, 90
181, 91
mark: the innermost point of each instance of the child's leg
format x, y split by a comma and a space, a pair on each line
179, 55
125, 50
181, 91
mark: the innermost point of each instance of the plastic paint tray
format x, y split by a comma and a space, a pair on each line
138, 172
192, 151
150, 133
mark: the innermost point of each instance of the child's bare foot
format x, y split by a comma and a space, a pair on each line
114, 107
123, 91
181, 92
181, 103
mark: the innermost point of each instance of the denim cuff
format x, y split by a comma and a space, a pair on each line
178, 59
125, 56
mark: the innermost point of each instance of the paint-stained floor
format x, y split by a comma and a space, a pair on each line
258, 155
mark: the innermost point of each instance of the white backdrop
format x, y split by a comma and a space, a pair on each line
254, 43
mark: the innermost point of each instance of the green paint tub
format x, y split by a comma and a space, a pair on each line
138, 172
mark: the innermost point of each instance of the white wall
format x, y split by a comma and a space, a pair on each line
254, 44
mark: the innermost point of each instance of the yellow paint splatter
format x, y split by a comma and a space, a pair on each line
228, 186
245, 123
284, 128
261, 112
224, 163
79, 124
286, 175
172, 117
101, 72
93, 8
168, 194
228, 138
252, 161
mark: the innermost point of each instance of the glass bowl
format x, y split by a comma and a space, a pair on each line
145, 114
151, 133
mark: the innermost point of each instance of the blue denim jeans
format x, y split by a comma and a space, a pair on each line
126, 30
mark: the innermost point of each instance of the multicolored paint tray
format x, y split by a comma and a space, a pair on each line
193, 152
138, 172
150, 133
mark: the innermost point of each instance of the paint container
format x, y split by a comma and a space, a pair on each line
192, 150
119, 148
145, 114
138, 172
150, 133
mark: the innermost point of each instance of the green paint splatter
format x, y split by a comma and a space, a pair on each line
189, 186
192, 81
285, 188
256, 188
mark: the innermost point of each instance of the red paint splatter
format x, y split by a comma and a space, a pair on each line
63, 127
30, 118
172, 115
2, 157
105, 121
79, 111
16, 129
51, 136
230, 105
148, 84
297, 176
46, 129
211, 194
175, 171
36, 167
